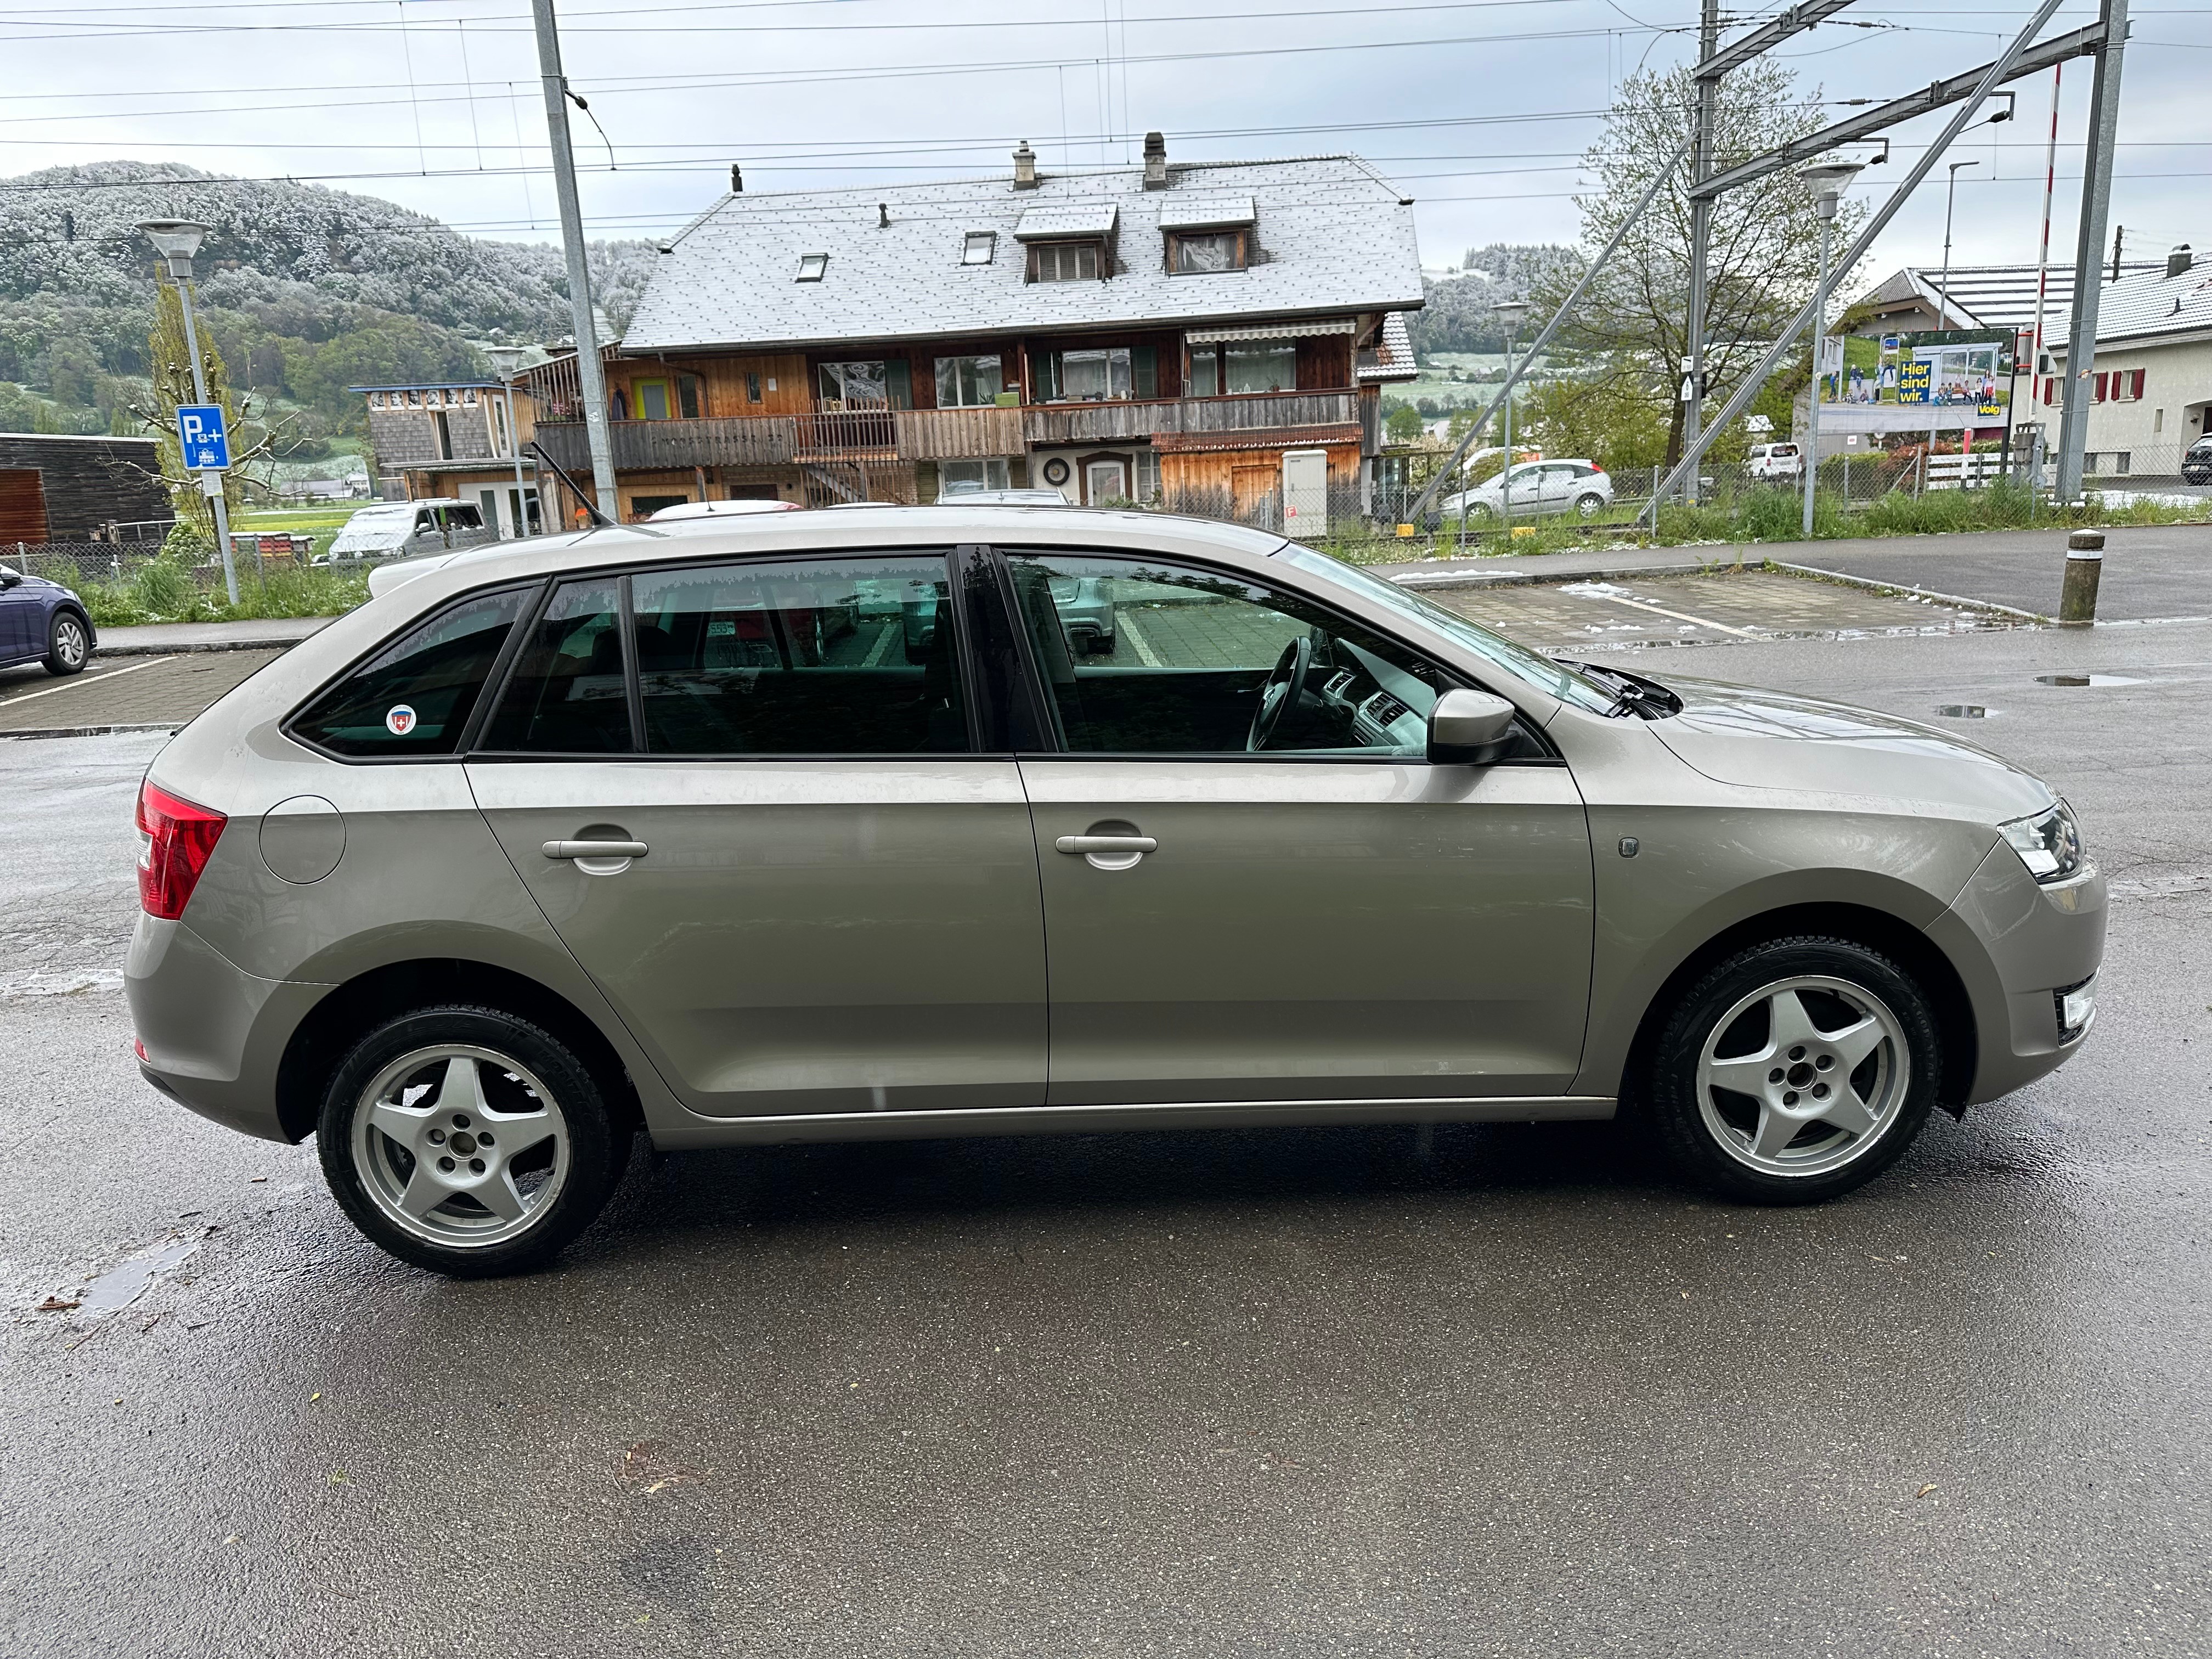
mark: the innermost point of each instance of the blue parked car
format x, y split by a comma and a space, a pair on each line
43, 622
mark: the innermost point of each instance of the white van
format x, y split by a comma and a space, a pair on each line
394, 530
1776, 461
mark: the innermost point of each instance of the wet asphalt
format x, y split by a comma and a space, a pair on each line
1495, 1390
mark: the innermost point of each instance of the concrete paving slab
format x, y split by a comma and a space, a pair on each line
131, 691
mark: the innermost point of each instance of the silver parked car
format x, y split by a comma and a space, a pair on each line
1539, 490
607, 833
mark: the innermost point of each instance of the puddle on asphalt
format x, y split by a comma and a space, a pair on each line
121, 1285
1963, 711
2087, 679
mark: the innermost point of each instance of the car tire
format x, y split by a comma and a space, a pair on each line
1837, 1055
68, 644
529, 1129
1590, 505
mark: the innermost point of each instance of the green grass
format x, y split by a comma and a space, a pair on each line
1777, 515
167, 591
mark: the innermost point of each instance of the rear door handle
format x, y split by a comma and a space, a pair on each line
594, 849
1110, 844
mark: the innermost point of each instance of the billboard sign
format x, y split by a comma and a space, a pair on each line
1949, 381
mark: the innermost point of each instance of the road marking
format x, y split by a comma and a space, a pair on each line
1678, 616
1127, 625
883, 643
72, 683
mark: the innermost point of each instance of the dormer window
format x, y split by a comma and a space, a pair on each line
1064, 262
1192, 253
812, 266
979, 248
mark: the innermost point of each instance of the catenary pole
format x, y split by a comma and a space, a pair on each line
1992, 78
2096, 204
591, 373
2043, 281
1701, 231
1421, 507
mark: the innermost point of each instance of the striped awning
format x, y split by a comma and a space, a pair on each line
1274, 330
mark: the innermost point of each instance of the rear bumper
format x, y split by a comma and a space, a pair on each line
2027, 944
213, 1034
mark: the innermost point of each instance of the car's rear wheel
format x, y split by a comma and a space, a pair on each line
1794, 1071
68, 647
469, 1141
1589, 506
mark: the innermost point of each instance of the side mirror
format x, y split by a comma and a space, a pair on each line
10, 578
1469, 728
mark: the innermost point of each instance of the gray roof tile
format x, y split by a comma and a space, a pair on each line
1331, 233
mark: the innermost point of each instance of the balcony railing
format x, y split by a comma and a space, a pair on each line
935, 434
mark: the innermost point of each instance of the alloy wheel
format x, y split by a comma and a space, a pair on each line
460, 1145
69, 642
1803, 1076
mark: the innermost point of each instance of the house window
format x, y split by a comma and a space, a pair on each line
1248, 366
752, 386
812, 267
1064, 262
444, 433
964, 477
979, 246
968, 382
1197, 253
1099, 374
2122, 462
877, 383
2127, 384
2158, 420
650, 399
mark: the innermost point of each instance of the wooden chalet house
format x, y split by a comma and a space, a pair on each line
1213, 338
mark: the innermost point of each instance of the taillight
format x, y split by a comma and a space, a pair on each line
1596, 472
178, 837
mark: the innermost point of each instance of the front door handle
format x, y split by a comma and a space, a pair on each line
1107, 844
594, 849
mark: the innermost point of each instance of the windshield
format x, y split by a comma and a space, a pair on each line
1515, 659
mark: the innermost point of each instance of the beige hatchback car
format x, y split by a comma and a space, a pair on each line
678, 829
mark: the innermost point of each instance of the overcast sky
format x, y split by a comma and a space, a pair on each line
1479, 110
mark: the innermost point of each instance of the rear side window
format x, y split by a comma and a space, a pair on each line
845, 656
567, 694
414, 697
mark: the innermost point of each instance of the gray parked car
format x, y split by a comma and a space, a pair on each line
550, 846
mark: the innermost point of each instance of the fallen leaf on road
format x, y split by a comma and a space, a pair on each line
1925, 1489
650, 1463
57, 1304
318, 1394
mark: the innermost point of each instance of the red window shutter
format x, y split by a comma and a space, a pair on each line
2097, 394
2136, 383
2050, 389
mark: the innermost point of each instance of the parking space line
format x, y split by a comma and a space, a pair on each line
71, 684
883, 643
1678, 616
1127, 625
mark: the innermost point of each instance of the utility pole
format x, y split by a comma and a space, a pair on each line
1701, 231
2089, 242
591, 373
177, 241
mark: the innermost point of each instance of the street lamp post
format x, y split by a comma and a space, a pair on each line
1942, 316
1508, 312
1827, 180
177, 241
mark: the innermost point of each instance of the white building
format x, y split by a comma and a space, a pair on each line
2151, 385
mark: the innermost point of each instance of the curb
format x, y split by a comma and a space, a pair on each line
206, 645
1873, 587
1551, 578
92, 730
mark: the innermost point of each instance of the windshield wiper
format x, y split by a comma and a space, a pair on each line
1631, 694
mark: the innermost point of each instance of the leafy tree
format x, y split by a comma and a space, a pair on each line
1765, 246
172, 359
1613, 416
1403, 424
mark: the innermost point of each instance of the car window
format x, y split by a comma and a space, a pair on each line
414, 696
567, 694
1145, 657
842, 656
1515, 660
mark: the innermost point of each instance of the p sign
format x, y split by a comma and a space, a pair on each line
200, 429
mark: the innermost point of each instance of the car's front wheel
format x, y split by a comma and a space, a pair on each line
469, 1141
1794, 1071
69, 648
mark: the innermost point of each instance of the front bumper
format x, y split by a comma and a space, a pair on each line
2020, 947
212, 1034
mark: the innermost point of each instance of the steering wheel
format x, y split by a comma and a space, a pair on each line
1280, 691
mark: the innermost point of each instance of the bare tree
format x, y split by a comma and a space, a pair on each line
1765, 240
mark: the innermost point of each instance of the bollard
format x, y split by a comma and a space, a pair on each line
2085, 564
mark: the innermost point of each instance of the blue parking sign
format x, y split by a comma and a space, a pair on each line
201, 431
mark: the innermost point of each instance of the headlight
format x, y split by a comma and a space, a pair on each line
2049, 842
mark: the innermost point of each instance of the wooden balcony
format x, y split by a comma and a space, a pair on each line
935, 434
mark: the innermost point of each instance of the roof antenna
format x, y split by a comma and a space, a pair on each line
883, 215
736, 180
